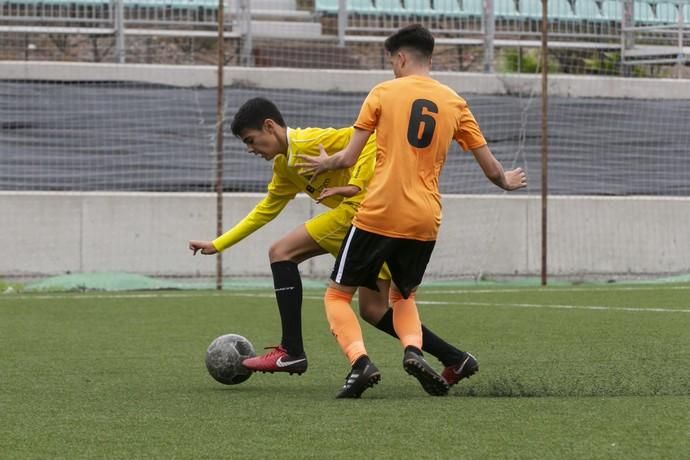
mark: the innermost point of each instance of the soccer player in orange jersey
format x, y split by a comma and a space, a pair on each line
260, 125
415, 118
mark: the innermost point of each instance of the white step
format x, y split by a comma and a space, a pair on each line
280, 29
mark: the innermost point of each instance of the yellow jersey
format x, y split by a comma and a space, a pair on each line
288, 181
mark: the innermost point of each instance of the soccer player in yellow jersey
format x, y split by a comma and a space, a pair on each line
415, 118
261, 127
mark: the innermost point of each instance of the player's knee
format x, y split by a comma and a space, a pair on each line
371, 312
278, 252
367, 314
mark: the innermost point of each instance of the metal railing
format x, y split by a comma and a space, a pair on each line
643, 32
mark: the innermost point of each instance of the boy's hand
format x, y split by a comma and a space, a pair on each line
206, 247
346, 191
515, 179
308, 164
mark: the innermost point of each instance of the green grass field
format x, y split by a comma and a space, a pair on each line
566, 372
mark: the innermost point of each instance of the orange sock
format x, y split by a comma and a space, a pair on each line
406, 319
344, 324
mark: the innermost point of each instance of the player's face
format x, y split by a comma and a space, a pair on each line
263, 142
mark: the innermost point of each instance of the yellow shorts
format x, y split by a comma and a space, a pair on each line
329, 228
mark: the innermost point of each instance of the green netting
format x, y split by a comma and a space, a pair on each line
133, 282
100, 282
669, 279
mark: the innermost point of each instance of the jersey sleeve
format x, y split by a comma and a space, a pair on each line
280, 192
306, 141
370, 112
363, 170
467, 134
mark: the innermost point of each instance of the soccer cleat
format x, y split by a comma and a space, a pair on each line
277, 360
466, 368
359, 380
415, 365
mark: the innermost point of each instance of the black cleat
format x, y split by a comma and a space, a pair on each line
467, 367
415, 365
359, 380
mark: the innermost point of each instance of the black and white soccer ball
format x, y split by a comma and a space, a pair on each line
224, 358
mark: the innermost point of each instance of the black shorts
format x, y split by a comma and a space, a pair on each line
363, 253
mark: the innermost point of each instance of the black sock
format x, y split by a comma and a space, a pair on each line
431, 343
288, 289
361, 362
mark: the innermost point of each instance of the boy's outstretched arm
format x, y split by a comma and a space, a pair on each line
265, 211
508, 180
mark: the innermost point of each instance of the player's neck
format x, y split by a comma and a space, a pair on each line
281, 134
419, 71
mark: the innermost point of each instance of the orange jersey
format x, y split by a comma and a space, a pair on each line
415, 119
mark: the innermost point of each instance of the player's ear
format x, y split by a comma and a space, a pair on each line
269, 126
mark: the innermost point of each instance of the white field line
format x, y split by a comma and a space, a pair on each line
252, 292
561, 307
189, 295
554, 289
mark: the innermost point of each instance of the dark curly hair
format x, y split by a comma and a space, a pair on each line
414, 37
251, 115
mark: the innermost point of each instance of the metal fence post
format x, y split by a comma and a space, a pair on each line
342, 22
245, 18
119, 26
489, 27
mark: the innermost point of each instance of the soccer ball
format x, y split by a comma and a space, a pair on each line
224, 359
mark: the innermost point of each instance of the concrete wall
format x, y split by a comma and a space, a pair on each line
345, 80
147, 233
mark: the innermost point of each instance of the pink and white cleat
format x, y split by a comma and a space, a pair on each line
277, 360
466, 368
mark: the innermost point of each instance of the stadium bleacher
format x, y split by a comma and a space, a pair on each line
447, 7
556, 9
506, 9
390, 6
643, 12
191, 18
666, 13
472, 7
570, 21
358, 6
588, 10
418, 7
652, 11
611, 10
